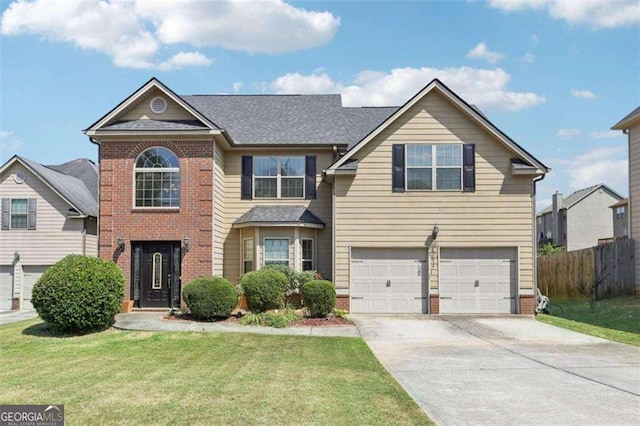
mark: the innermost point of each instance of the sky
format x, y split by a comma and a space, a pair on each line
554, 75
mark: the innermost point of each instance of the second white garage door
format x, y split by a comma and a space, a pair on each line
31, 275
6, 287
477, 280
388, 280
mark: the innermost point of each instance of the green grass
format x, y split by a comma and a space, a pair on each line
615, 319
122, 377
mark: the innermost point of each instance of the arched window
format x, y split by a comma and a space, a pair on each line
157, 175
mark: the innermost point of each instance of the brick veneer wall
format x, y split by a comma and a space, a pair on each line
527, 304
342, 302
434, 304
119, 219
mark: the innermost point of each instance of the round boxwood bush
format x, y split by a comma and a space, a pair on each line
209, 298
319, 297
264, 289
79, 294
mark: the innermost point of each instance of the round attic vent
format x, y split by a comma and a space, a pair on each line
158, 105
19, 177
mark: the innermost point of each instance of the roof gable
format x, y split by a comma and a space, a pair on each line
132, 111
73, 190
469, 110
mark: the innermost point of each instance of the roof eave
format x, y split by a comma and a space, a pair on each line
278, 224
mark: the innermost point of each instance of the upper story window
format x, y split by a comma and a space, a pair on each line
279, 177
18, 213
620, 212
157, 176
434, 167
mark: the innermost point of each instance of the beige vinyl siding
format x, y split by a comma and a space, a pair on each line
236, 207
218, 211
141, 110
498, 214
55, 235
634, 194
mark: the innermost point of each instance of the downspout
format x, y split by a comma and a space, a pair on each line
535, 236
84, 237
95, 142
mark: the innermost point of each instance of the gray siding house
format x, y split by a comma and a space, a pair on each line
48, 212
620, 218
579, 220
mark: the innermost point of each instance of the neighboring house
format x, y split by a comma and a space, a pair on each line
48, 212
620, 218
630, 125
579, 220
424, 208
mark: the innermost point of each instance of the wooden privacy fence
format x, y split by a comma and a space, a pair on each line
604, 271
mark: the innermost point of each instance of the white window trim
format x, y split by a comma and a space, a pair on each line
264, 248
313, 254
244, 259
278, 177
26, 215
433, 167
151, 170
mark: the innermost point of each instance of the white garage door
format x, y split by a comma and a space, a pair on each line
31, 275
6, 287
477, 280
388, 281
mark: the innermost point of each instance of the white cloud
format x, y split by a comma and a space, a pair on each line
481, 51
265, 26
601, 165
486, 88
185, 59
595, 13
237, 86
583, 94
568, 133
535, 39
133, 32
607, 134
8, 143
529, 58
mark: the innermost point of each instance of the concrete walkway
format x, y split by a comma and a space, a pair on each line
151, 321
7, 317
513, 370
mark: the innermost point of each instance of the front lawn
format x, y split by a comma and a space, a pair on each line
122, 377
614, 319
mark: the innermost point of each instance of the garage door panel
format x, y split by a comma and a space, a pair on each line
477, 280
6, 287
31, 275
388, 281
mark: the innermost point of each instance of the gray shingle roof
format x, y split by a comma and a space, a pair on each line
575, 197
74, 189
279, 214
289, 119
156, 125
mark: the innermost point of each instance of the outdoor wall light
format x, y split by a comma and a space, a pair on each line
434, 231
121, 244
16, 257
187, 244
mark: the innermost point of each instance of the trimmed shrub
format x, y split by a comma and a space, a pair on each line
319, 298
209, 298
79, 294
295, 280
263, 289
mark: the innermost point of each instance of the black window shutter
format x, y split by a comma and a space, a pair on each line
6, 205
397, 177
469, 168
247, 177
31, 213
310, 177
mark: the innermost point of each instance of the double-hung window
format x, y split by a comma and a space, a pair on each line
279, 177
276, 251
19, 213
307, 254
434, 167
247, 255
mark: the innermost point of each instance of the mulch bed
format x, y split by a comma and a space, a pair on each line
304, 322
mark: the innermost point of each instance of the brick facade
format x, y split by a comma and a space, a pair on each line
342, 302
527, 304
120, 219
434, 304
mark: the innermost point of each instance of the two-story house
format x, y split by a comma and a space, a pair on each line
48, 212
630, 126
423, 208
579, 220
620, 218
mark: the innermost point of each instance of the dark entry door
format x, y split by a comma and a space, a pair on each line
155, 273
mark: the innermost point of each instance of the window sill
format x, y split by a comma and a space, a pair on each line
155, 210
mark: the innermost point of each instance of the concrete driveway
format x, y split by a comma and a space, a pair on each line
507, 370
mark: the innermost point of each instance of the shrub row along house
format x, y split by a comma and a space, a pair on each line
423, 208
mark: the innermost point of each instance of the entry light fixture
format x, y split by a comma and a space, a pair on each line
121, 244
434, 231
16, 256
187, 244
